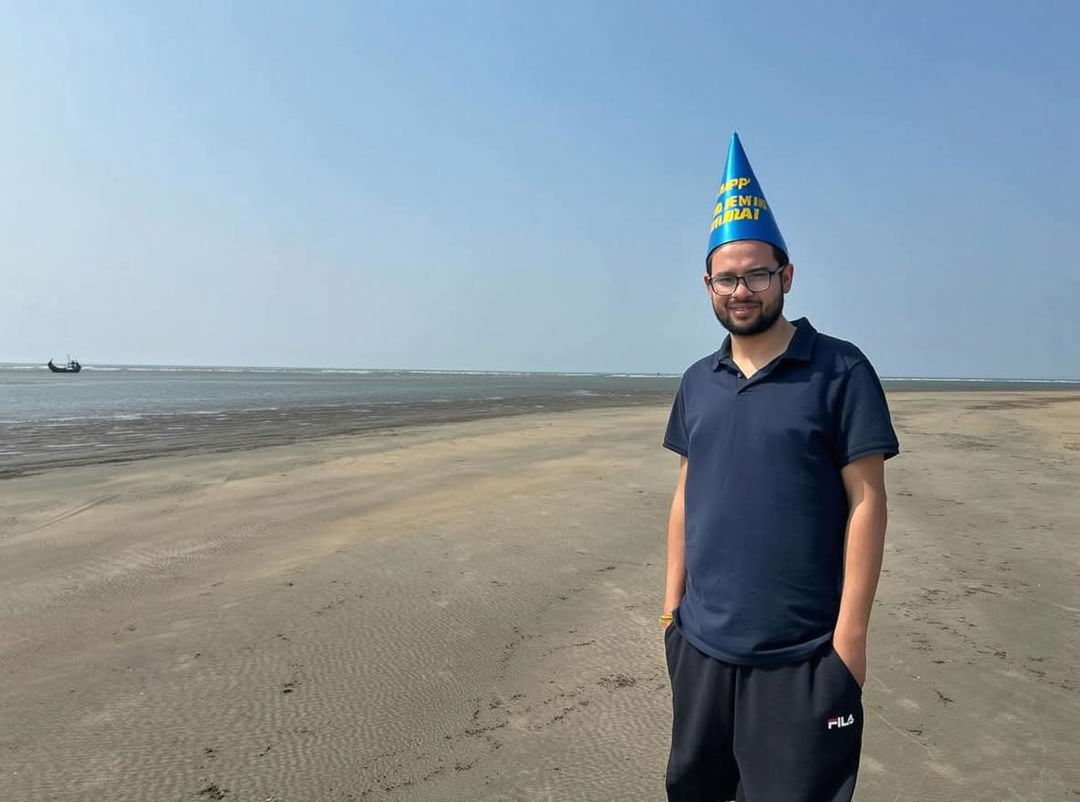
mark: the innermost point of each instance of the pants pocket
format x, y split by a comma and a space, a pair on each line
842, 667
671, 647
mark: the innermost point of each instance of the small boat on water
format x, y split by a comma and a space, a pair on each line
72, 366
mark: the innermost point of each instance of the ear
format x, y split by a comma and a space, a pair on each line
788, 277
708, 287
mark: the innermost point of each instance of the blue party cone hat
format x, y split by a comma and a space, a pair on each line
741, 211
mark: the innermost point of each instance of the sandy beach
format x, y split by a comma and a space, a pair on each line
467, 611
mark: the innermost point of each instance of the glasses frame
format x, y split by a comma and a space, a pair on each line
712, 286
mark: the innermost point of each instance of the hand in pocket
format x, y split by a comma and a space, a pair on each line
853, 656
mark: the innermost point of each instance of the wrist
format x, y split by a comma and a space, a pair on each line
849, 635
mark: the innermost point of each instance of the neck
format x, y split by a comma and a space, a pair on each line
761, 348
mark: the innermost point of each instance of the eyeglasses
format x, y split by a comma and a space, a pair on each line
757, 280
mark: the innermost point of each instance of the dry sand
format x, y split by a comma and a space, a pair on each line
468, 612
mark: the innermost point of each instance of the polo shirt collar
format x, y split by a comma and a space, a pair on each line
800, 349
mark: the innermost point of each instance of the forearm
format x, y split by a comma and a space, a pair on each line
863, 549
675, 583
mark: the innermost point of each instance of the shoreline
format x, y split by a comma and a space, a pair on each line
31, 447
102, 441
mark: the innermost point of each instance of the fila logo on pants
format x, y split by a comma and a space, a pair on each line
841, 721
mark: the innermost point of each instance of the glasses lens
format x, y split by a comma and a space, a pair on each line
724, 285
758, 280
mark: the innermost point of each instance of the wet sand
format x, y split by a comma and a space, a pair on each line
31, 446
467, 611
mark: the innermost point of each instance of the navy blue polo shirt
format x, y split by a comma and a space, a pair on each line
766, 510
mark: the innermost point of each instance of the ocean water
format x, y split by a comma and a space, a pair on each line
32, 393
121, 413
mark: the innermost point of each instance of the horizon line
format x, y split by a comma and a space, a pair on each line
494, 371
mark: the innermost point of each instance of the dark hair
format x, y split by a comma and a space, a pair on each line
778, 254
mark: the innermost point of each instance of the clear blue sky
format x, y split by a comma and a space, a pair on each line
529, 185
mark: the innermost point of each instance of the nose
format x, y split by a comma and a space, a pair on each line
742, 292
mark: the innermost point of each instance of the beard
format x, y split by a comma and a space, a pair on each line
763, 321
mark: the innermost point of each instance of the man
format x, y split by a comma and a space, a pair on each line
775, 535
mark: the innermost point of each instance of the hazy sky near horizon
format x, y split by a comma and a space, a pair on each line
494, 185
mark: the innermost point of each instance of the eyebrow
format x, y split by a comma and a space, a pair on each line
748, 271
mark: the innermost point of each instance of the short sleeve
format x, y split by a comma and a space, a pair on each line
864, 426
675, 437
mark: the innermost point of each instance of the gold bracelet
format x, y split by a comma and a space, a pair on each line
666, 619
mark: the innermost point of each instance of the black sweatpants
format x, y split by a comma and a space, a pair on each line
788, 733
